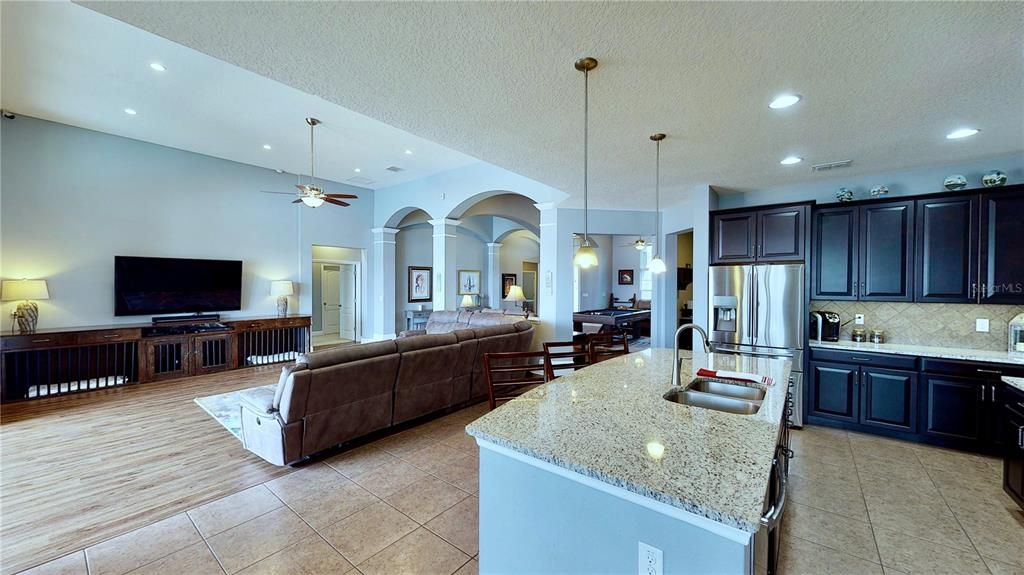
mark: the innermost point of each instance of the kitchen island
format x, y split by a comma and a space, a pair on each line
575, 474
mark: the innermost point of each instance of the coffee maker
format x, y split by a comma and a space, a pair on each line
825, 326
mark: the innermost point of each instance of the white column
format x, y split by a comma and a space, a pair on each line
554, 290
445, 277
384, 319
494, 275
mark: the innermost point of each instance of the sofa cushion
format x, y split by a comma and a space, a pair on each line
464, 334
424, 341
282, 381
334, 356
493, 330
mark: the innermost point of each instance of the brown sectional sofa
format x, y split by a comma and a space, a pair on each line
337, 395
449, 321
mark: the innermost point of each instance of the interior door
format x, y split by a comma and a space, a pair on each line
347, 301
331, 296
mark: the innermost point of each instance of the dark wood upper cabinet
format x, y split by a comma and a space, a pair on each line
772, 235
887, 252
834, 253
780, 234
1002, 247
946, 258
733, 238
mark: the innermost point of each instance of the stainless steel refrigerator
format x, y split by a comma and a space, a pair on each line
759, 310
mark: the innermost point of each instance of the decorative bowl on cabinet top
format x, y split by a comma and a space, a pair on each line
993, 179
955, 182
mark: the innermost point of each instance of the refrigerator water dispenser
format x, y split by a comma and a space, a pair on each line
724, 313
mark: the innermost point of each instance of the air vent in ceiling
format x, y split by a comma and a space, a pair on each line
395, 169
831, 166
359, 181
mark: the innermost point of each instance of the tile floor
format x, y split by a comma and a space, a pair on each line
407, 504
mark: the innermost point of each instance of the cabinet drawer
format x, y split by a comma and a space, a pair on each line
905, 362
971, 369
108, 336
37, 341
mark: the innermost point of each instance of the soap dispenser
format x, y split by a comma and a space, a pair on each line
1016, 339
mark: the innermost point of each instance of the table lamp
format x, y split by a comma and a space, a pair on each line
467, 301
27, 312
282, 289
515, 295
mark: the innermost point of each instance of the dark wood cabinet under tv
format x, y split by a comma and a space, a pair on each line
55, 362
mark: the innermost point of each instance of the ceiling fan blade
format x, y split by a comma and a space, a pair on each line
299, 201
336, 202
342, 196
283, 193
303, 187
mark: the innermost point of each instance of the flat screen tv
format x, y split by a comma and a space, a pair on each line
153, 286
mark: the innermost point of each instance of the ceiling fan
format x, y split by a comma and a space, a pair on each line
311, 194
640, 243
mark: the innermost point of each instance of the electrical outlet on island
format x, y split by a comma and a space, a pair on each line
981, 325
650, 560
858, 319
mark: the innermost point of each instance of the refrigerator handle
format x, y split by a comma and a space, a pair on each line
753, 304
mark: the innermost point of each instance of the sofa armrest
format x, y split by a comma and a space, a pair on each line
259, 400
412, 332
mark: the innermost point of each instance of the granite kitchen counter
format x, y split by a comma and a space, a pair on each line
610, 422
1017, 382
982, 355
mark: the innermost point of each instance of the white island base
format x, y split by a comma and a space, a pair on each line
539, 518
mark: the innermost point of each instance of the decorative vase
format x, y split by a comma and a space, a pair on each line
955, 182
844, 195
993, 179
879, 191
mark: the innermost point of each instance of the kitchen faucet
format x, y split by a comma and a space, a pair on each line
675, 347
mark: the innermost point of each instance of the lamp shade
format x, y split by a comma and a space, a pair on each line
281, 287
467, 301
585, 257
515, 294
657, 265
24, 290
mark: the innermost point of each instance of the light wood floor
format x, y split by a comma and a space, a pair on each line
80, 469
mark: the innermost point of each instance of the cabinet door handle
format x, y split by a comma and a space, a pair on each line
47, 340
112, 336
974, 290
984, 291
1020, 437
992, 371
860, 359
993, 394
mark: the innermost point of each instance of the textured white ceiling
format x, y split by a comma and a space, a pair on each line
883, 82
68, 64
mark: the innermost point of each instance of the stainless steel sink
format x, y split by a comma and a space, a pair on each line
726, 389
713, 401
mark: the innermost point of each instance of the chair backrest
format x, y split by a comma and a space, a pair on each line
607, 345
562, 357
511, 374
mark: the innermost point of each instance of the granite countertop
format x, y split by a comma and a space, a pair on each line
1017, 382
610, 422
983, 355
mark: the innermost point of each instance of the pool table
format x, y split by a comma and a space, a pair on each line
628, 320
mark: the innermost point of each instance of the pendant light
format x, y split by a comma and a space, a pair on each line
585, 256
657, 265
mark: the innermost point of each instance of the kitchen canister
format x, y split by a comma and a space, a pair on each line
859, 334
878, 336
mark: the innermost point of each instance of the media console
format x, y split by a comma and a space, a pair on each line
54, 362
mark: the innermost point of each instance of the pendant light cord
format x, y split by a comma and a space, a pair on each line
311, 179
586, 153
657, 197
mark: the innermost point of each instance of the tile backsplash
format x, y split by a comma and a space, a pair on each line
938, 324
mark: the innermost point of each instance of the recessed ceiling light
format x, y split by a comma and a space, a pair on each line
266, 146
790, 160
784, 101
962, 133
157, 66
357, 170
408, 152
130, 111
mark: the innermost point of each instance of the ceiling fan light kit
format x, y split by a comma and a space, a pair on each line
585, 256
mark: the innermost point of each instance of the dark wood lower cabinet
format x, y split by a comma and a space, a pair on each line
833, 389
1012, 433
953, 408
888, 399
